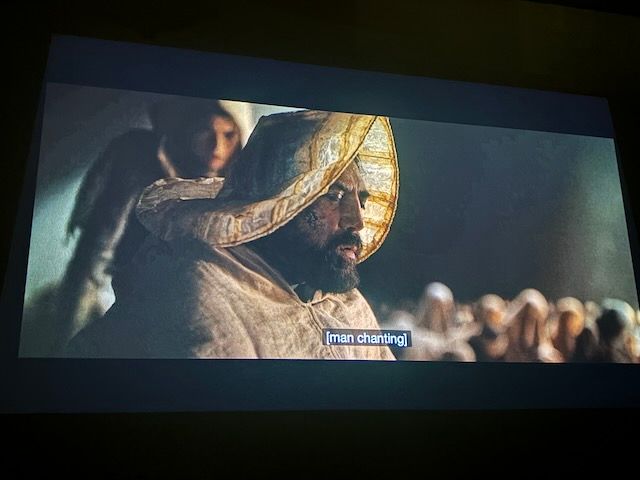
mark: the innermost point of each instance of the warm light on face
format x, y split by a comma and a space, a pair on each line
328, 233
337, 212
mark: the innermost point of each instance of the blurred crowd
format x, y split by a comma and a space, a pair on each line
527, 328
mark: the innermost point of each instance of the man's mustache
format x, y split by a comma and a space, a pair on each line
346, 238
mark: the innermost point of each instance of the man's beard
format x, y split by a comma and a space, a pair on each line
319, 266
330, 271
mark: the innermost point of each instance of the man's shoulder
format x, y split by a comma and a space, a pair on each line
352, 296
354, 300
217, 268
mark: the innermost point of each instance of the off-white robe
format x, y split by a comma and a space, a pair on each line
184, 299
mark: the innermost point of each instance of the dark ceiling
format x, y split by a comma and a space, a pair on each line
622, 7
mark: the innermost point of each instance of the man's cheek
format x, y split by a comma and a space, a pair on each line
311, 228
311, 220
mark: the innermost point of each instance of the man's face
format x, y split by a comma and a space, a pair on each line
326, 235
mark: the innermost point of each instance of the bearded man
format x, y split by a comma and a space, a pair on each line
259, 266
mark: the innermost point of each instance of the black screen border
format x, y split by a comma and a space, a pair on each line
63, 385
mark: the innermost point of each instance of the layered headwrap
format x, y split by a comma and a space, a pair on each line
289, 161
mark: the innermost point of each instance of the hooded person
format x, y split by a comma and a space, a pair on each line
490, 344
189, 137
258, 267
526, 320
436, 309
615, 332
568, 325
437, 336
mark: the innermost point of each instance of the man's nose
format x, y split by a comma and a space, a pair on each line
351, 213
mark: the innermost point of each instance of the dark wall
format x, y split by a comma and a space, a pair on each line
515, 43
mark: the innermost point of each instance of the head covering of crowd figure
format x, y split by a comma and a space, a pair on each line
526, 328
